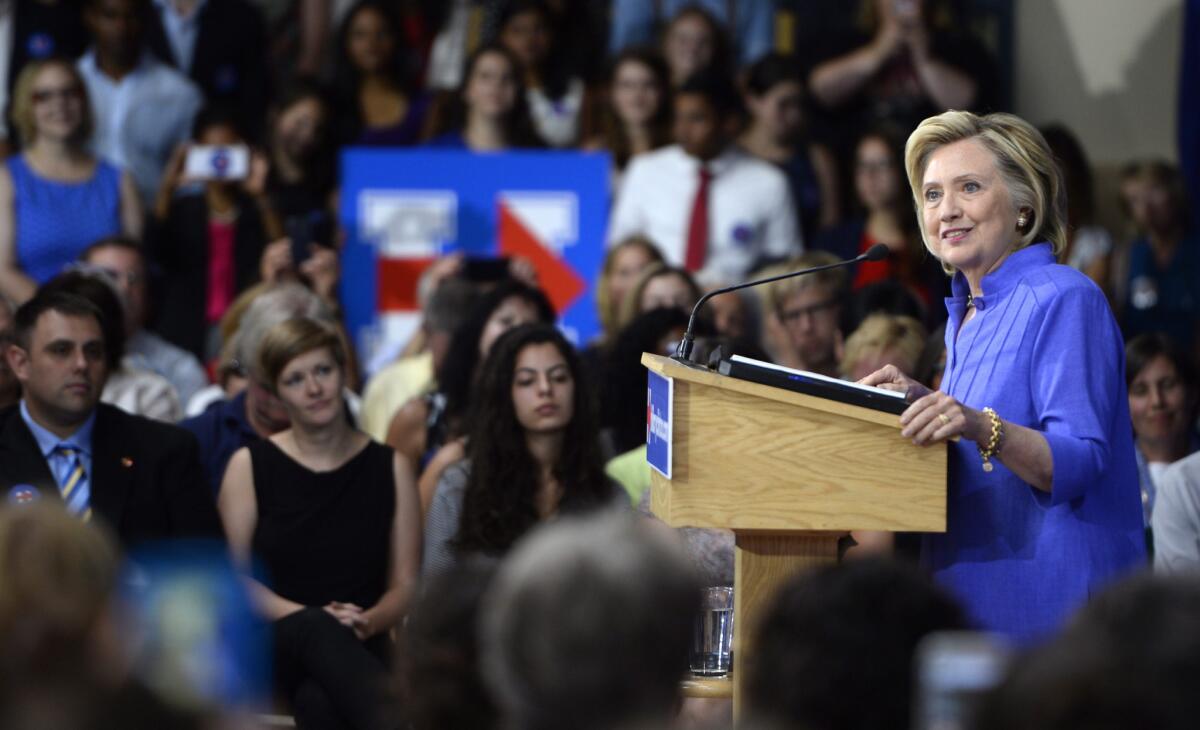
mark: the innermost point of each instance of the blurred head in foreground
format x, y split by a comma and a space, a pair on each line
587, 625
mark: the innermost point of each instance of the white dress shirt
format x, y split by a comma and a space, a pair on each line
1175, 521
750, 210
148, 351
557, 120
141, 118
142, 393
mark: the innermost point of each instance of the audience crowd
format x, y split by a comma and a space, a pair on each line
461, 538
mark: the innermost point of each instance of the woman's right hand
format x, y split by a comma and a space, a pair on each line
888, 38
172, 179
889, 377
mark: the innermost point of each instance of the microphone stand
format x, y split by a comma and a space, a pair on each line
683, 353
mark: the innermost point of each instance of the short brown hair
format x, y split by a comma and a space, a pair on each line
292, 338
22, 101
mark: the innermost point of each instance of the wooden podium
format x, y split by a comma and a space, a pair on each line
790, 474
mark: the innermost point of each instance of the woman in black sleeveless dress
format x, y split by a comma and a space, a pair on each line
331, 519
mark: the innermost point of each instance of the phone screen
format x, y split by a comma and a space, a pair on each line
953, 669
217, 162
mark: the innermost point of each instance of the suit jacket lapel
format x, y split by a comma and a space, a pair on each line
112, 472
21, 460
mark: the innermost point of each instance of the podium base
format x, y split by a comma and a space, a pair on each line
763, 562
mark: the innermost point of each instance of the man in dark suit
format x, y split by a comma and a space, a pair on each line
222, 46
140, 476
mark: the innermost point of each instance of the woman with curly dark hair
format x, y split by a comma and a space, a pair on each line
489, 112
533, 452
423, 425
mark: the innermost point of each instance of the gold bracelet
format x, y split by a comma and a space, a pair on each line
993, 444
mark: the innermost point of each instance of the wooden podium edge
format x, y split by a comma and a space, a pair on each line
671, 369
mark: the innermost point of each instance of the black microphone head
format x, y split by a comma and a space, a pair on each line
878, 252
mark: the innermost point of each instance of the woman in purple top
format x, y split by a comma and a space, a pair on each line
377, 103
1043, 502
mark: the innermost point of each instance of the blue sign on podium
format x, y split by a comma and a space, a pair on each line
660, 392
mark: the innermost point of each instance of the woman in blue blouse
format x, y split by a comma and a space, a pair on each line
56, 198
1043, 504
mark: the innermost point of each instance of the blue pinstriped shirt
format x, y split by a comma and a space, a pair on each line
81, 440
1045, 352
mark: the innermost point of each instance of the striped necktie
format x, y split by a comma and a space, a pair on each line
73, 482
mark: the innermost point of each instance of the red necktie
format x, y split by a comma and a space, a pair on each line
697, 240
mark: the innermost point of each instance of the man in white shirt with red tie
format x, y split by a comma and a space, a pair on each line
709, 207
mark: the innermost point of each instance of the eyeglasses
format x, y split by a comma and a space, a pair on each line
791, 315
873, 166
69, 93
128, 278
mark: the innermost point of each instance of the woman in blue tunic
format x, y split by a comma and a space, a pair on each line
56, 198
1043, 504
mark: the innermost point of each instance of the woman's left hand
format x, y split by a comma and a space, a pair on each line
936, 417
276, 261
255, 183
523, 270
350, 616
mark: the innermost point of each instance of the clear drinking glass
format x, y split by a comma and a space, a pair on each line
712, 636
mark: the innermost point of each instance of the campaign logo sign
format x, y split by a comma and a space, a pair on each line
660, 393
220, 162
402, 209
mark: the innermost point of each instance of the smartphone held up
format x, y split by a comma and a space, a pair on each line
217, 162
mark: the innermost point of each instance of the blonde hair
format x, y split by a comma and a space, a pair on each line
608, 309
292, 338
1023, 159
631, 307
779, 292
22, 101
880, 332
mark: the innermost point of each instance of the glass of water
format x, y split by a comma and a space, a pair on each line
712, 636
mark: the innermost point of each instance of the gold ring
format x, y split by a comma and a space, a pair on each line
944, 419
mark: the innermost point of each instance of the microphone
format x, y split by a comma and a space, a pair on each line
683, 352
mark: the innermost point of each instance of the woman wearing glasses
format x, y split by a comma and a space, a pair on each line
56, 197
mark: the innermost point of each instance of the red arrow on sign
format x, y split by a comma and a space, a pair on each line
558, 280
